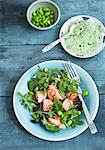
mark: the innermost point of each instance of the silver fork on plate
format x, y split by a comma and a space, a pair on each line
72, 73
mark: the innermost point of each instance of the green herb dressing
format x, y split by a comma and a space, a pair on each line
86, 38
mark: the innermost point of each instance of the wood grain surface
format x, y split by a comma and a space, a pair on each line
20, 48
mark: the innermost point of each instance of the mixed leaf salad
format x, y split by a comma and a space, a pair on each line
53, 100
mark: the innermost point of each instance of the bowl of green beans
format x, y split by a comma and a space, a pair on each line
43, 14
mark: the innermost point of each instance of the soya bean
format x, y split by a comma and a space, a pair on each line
69, 122
36, 19
60, 114
39, 15
36, 89
33, 22
46, 9
51, 16
85, 93
48, 22
47, 13
45, 70
34, 14
44, 22
37, 24
79, 113
43, 17
41, 11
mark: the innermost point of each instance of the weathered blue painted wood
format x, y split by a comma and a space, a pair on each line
19, 45
15, 60
15, 30
14, 137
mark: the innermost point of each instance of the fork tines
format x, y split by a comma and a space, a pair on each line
71, 70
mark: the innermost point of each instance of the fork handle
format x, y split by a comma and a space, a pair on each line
90, 122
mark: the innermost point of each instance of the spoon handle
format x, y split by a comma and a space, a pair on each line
50, 46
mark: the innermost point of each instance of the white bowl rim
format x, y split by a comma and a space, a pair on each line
72, 54
63, 138
46, 28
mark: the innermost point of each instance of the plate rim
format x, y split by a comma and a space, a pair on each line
77, 56
39, 136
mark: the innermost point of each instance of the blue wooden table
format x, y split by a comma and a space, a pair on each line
20, 48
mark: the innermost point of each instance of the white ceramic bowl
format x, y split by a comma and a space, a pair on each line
65, 28
40, 4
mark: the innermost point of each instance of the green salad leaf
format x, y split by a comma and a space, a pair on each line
27, 101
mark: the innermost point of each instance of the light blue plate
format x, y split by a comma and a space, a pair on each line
24, 117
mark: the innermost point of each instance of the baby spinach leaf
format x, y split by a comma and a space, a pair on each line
31, 85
